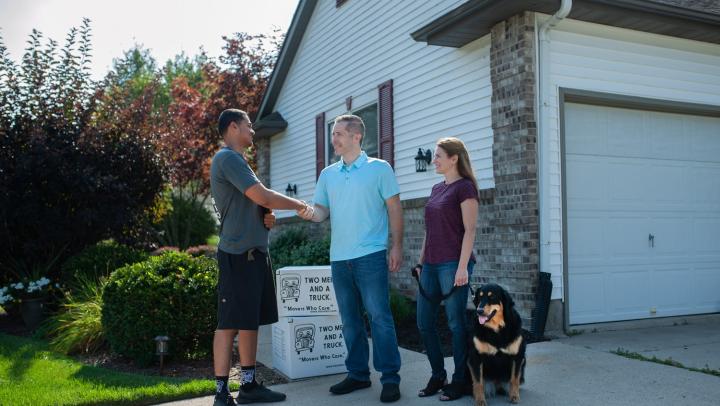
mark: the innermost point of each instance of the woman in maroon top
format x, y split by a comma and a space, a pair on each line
447, 262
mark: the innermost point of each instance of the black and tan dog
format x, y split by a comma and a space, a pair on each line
497, 351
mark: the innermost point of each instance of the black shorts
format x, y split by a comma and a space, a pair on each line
246, 291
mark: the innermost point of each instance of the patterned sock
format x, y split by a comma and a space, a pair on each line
221, 385
247, 374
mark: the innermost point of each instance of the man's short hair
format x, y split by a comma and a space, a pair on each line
353, 124
230, 116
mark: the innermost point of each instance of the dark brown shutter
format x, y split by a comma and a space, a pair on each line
319, 144
386, 129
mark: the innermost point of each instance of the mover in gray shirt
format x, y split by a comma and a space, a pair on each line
246, 290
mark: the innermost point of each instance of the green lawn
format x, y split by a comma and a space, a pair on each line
30, 374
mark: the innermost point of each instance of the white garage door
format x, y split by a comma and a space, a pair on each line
643, 213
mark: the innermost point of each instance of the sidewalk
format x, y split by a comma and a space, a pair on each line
557, 373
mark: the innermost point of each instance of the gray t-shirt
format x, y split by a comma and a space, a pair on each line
241, 222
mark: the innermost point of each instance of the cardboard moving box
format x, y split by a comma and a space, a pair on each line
308, 346
305, 291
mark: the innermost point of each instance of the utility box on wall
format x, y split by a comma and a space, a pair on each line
309, 346
305, 291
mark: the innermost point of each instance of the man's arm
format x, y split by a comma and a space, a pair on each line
271, 199
395, 214
317, 214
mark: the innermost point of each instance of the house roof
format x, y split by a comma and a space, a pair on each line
692, 19
268, 124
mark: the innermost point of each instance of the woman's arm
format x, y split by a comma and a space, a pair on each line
469, 208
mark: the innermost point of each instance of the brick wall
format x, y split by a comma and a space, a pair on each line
262, 159
509, 233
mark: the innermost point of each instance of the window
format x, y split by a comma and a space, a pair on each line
369, 116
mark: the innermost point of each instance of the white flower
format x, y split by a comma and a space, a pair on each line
19, 285
3, 290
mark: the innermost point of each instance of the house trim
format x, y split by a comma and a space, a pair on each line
475, 19
568, 95
286, 56
272, 124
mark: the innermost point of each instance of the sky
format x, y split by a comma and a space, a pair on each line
163, 26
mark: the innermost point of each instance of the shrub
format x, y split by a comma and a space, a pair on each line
293, 247
281, 247
77, 326
172, 294
187, 223
400, 306
98, 261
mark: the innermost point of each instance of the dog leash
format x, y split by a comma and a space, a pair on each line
425, 294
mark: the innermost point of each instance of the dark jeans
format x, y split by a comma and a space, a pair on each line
363, 282
437, 280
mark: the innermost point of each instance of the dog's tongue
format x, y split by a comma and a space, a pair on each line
482, 319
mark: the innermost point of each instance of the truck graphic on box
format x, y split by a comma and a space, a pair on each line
304, 337
290, 287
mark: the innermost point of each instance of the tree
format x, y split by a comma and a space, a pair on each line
199, 91
189, 137
69, 177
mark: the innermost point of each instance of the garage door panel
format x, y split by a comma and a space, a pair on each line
587, 124
626, 135
667, 136
703, 134
623, 181
707, 280
667, 183
706, 236
626, 290
673, 289
587, 246
705, 187
587, 305
653, 174
673, 237
626, 237
588, 176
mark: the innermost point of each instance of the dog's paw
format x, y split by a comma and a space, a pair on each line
515, 398
480, 402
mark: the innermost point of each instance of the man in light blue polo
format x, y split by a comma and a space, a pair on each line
361, 196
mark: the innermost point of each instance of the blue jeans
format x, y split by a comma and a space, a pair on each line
437, 280
363, 282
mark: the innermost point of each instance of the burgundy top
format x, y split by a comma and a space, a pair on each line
443, 220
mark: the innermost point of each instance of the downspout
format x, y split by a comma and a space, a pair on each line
544, 101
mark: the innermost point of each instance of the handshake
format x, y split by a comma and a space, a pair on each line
306, 212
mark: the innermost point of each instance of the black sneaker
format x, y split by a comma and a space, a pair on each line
390, 393
349, 385
257, 393
224, 399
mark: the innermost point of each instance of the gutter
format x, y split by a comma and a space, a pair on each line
544, 101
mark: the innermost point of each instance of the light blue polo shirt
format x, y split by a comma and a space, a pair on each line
356, 195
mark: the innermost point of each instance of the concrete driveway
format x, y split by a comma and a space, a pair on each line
692, 341
577, 370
